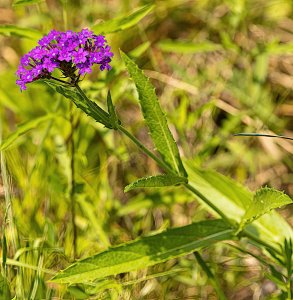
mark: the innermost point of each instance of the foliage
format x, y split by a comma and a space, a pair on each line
218, 69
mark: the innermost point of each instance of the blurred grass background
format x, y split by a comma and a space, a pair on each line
219, 67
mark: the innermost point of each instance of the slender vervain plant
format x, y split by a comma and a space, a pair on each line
61, 59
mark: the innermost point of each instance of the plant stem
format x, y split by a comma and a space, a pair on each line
72, 180
259, 241
161, 163
59, 80
99, 111
211, 276
209, 203
165, 167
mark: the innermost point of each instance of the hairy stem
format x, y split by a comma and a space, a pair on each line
161, 163
99, 111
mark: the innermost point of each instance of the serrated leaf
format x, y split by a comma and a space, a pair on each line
154, 117
233, 200
155, 181
12, 30
88, 106
24, 128
187, 47
122, 23
146, 251
264, 200
25, 2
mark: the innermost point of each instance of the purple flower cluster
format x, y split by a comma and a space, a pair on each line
73, 53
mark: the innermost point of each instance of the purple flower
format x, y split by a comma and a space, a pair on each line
80, 56
74, 53
84, 68
99, 40
49, 64
65, 55
25, 60
38, 53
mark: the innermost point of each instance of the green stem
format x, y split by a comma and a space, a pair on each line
161, 163
289, 288
104, 116
164, 166
259, 241
288, 252
209, 203
72, 182
59, 80
211, 276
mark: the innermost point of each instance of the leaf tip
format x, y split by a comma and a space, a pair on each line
127, 188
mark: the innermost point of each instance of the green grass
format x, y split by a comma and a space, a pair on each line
227, 73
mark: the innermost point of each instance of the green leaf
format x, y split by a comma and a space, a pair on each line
156, 181
11, 30
154, 117
83, 103
146, 251
279, 49
25, 2
122, 23
187, 47
234, 200
24, 128
264, 200
4, 250
111, 109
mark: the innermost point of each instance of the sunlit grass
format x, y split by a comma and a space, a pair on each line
228, 70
